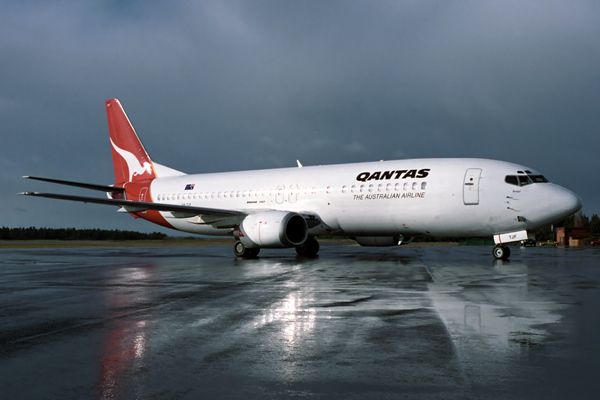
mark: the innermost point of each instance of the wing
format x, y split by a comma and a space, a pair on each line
211, 216
218, 218
102, 188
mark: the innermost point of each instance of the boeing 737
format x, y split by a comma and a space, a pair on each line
384, 203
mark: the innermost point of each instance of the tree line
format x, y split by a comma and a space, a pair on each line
577, 220
33, 233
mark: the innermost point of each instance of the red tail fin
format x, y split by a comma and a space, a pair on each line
130, 160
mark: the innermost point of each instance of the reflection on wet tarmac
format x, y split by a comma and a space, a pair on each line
297, 320
353, 323
125, 344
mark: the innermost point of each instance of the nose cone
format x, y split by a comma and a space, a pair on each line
571, 202
565, 202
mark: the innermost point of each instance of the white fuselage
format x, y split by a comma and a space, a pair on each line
418, 197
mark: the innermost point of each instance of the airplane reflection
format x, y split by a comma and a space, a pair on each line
294, 316
125, 345
493, 314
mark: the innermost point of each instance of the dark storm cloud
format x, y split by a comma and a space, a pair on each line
229, 85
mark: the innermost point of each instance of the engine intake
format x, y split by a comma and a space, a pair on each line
274, 229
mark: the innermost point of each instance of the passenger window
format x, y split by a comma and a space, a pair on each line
353, 189
415, 185
380, 187
423, 185
344, 189
251, 193
362, 188
328, 189
405, 186
371, 187
388, 187
397, 186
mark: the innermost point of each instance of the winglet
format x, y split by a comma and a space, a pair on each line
299, 165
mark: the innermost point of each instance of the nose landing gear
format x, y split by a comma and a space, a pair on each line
501, 252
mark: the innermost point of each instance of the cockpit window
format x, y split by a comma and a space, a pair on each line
522, 180
538, 179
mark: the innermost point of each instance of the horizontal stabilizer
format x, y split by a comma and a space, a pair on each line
101, 188
141, 206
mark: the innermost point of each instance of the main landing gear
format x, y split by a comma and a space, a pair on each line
501, 252
309, 248
242, 251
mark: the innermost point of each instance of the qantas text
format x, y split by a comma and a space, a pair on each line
381, 175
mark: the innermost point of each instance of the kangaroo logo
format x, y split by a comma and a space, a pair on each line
133, 164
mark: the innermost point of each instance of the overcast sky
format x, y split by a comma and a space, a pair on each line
235, 85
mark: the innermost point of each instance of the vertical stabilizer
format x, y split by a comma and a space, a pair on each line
130, 160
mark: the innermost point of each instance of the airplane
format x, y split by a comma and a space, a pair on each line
384, 203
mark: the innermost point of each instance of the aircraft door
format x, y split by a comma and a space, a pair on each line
471, 186
293, 195
279, 194
143, 193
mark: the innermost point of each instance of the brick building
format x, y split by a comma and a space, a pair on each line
573, 236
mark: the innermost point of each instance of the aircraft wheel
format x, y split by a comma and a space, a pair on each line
309, 248
242, 251
501, 252
239, 249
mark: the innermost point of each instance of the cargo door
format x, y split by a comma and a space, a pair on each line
471, 186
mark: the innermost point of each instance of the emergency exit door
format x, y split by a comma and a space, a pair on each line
471, 186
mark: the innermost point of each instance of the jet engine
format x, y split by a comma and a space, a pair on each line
273, 229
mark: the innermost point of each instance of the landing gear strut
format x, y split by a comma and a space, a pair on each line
309, 248
501, 252
242, 251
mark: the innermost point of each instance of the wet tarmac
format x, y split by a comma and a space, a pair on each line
354, 323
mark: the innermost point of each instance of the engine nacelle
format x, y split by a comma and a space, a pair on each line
378, 241
406, 239
274, 229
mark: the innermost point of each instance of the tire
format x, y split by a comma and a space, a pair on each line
239, 249
242, 251
501, 252
309, 248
